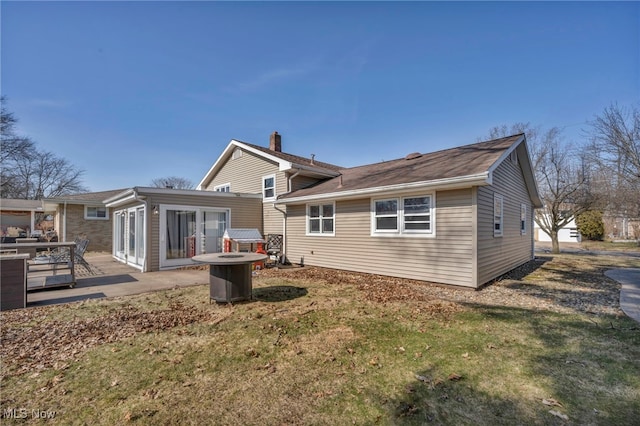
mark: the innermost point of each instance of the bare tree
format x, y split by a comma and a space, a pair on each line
13, 145
563, 177
615, 149
27, 173
173, 182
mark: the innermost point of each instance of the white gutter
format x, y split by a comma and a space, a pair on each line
480, 179
291, 180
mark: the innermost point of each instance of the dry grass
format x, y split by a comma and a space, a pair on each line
325, 347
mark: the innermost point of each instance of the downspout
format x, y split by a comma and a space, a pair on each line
136, 197
284, 214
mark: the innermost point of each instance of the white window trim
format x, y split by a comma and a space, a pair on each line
375, 231
224, 185
264, 197
321, 233
523, 219
498, 232
401, 232
87, 217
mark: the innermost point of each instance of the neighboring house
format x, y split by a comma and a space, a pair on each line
83, 215
567, 234
461, 216
161, 228
23, 218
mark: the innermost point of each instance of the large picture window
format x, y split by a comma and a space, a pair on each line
320, 219
403, 216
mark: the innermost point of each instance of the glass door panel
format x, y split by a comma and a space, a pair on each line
132, 235
181, 227
214, 224
140, 237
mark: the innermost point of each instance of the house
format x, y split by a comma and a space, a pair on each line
162, 228
83, 215
461, 216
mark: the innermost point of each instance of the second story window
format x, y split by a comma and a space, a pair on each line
269, 187
223, 188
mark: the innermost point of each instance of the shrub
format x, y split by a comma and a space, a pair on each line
590, 225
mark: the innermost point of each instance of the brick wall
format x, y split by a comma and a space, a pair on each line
99, 232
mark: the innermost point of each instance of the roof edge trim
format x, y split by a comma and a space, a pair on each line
450, 183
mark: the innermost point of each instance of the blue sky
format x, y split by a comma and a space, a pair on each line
132, 91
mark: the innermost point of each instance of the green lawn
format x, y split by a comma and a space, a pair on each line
324, 350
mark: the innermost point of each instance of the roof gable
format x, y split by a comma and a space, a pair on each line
284, 161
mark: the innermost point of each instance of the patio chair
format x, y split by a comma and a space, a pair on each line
274, 249
78, 255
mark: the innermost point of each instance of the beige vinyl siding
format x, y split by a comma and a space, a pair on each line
300, 182
445, 258
245, 213
245, 174
498, 255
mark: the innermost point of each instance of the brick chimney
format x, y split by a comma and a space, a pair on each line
275, 143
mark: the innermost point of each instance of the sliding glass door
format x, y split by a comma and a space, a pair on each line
186, 231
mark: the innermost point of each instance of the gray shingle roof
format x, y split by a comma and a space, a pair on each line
296, 159
451, 163
87, 197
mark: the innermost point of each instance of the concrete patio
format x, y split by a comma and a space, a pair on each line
106, 277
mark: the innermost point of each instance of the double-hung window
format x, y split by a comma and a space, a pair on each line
523, 219
386, 215
269, 187
417, 214
95, 213
321, 219
403, 216
497, 215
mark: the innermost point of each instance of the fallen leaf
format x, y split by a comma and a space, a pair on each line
422, 378
559, 414
551, 402
454, 377
465, 355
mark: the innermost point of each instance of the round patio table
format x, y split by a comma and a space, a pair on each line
230, 275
